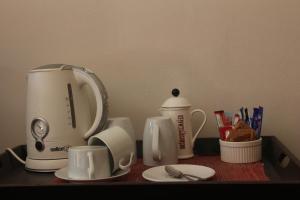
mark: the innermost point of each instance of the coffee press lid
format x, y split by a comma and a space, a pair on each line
176, 101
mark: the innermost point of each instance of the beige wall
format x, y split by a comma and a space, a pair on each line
221, 54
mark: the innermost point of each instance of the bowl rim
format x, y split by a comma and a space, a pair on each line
256, 142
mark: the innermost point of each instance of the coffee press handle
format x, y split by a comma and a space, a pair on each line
126, 167
155, 142
201, 126
85, 76
91, 169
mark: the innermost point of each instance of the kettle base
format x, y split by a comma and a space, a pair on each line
45, 165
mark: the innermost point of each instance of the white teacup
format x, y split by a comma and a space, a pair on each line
120, 146
125, 123
88, 162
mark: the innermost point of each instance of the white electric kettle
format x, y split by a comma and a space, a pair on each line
60, 113
179, 110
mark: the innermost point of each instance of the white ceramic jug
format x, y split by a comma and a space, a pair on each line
179, 110
159, 142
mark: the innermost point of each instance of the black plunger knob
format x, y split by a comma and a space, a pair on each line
175, 92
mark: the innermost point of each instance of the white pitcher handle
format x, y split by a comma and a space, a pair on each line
126, 167
91, 169
201, 126
155, 142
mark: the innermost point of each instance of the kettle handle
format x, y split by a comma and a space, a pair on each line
88, 77
201, 126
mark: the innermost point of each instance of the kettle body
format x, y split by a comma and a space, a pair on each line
59, 113
179, 110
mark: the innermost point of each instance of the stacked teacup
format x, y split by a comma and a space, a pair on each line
108, 152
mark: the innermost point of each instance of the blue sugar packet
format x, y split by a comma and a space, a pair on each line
260, 117
256, 123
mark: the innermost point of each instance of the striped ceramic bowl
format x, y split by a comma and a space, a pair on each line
241, 152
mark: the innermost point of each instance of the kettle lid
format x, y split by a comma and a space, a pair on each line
52, 67
176, 101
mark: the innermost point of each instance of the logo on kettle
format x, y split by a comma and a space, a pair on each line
62, 148
180, 121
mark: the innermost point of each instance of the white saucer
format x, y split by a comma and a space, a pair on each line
63, 174
158, 174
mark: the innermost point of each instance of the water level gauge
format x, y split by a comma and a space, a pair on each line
39, 128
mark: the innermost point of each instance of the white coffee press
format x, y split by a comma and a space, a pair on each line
179, 110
